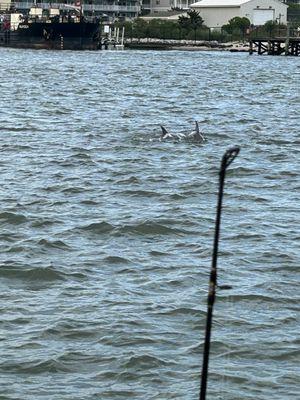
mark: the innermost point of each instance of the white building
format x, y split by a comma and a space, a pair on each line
217, 13
112, 8
4, 4
181, 4
156, 6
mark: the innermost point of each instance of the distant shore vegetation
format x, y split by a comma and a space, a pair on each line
172, 30
192, 27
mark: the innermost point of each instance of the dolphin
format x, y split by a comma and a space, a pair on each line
167, 135
180, 136
196, 135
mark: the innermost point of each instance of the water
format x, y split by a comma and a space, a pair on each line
106, 233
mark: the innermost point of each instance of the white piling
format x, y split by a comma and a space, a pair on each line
123, 33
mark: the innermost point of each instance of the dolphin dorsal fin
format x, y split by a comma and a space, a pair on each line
164, 131
199, 135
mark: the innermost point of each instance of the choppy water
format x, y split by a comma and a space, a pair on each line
106, 234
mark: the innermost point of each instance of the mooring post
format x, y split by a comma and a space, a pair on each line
250, 47
259, 47
287, 40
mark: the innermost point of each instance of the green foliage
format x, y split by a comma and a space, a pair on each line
140, 27
237, 24
192, 21
293, 13
295, 6
270, 26
155, 28
184, 22
186, 28
163, 29
269, 30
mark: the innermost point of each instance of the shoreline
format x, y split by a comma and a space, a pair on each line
186, 45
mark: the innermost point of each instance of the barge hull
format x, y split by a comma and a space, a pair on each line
70, 43
54, 35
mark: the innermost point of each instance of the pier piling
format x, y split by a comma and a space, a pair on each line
289, 46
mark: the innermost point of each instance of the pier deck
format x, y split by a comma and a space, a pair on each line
276, 46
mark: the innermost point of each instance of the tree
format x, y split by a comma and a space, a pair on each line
270, 27
192, 21
237, 23
184, 22
195, 19
140, 28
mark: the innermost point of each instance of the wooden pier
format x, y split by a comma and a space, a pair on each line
276, 47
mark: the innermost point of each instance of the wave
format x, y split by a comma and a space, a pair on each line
143, 228
253, 297
146, 361
46, 274
90, 202
183, 311
98, 227
130, 180
12, 218
151, 228
156, 253
55, 244
37, 367
74, 190
116, 260
43, 222
142, 193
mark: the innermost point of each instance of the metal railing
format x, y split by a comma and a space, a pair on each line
26, 5
105, 7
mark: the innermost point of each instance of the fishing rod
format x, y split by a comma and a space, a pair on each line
227, 159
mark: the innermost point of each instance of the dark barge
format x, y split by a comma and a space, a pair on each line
68, 31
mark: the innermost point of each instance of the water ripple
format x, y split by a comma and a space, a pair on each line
106, 232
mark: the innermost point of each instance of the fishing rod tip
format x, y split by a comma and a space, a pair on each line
230, 155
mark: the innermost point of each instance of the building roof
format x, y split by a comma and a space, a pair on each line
168, 15
225, 3
219, 3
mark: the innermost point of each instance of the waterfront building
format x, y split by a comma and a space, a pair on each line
181, 4
162, 6
158, 6
214, 12
217, 13
155, 6
3, 5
